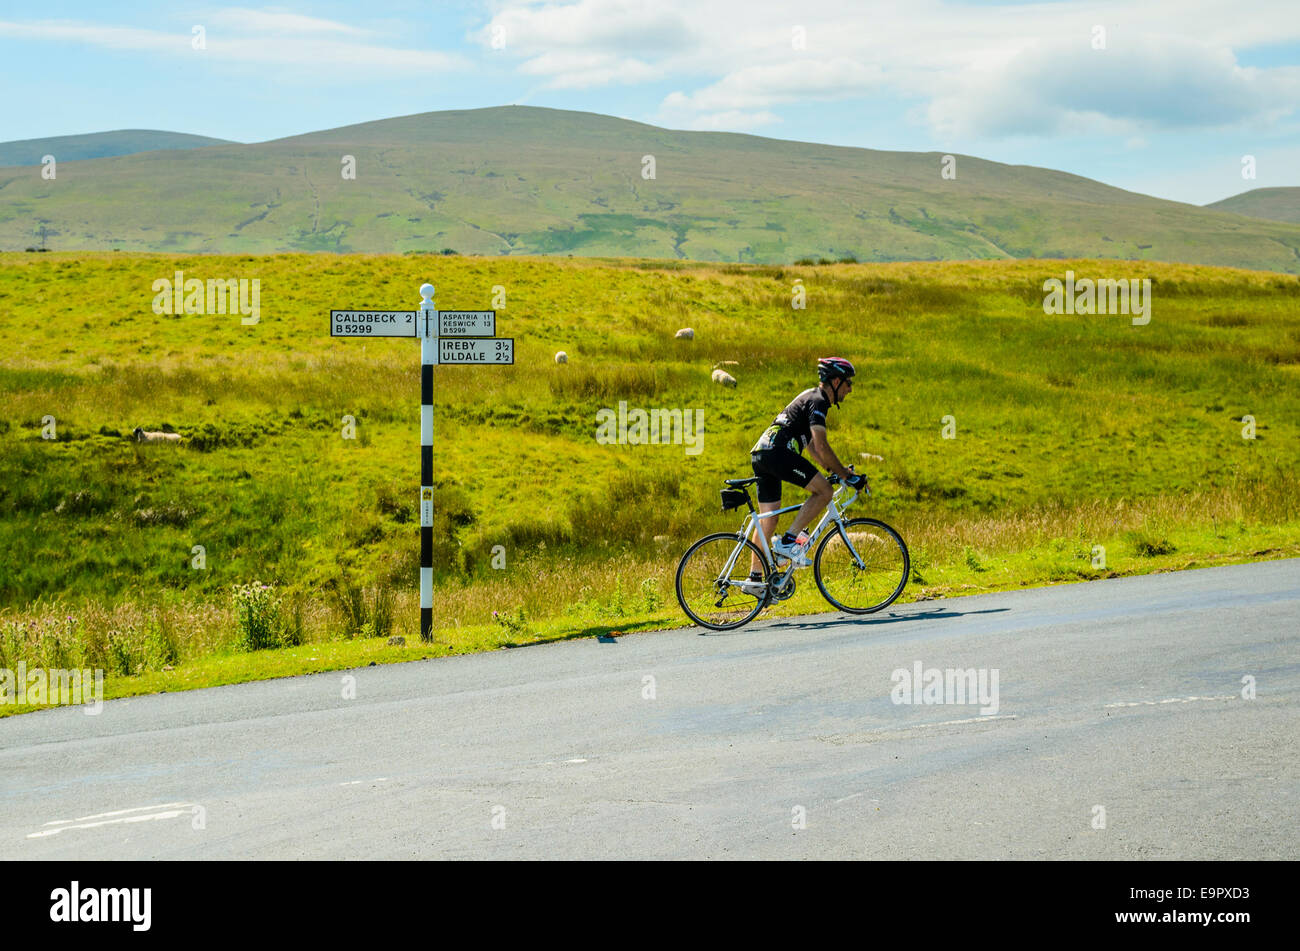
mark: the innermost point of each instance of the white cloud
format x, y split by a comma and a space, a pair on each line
568, 70
979, 70
245, 19
1052, 89
109, 37
793, 81
967, 71
236, 35
599, 26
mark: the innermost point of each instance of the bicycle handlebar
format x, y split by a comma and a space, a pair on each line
834, 479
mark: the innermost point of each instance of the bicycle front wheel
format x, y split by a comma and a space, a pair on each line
870, 581
712, 580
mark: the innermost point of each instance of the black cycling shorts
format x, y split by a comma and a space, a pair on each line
772, 466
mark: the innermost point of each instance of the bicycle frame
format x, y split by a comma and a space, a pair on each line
834, 513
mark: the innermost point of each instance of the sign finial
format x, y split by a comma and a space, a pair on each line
426, 291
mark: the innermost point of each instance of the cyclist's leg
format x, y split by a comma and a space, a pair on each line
769, 500
767, 526
819, 498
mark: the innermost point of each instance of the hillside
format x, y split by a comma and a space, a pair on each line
1275, 204
1070, 431
72, 148
523, 180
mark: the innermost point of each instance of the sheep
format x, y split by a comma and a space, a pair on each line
723, 377
871, 457
686, 333
561, 357
142, 436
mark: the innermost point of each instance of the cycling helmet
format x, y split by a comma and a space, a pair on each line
828, 368
832, 370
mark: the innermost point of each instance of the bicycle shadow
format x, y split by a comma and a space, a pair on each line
893, 617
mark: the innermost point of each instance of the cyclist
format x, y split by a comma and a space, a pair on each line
778, 456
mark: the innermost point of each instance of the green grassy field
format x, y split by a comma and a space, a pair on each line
520, 180
1072, 432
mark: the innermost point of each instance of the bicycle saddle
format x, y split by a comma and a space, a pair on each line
740, 483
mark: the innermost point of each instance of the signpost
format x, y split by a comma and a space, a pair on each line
476, 350
467, 323
461, 337
372, 323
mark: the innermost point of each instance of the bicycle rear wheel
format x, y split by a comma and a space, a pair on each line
709, 580
880, 578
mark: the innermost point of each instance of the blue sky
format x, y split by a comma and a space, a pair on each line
1158, 96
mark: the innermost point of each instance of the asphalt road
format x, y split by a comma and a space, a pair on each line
781, 740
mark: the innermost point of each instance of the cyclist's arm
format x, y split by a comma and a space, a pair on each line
823, 453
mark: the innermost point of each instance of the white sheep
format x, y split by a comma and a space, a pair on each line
686, 333
561, 357
142, 436
863, 541
723, 377
871, 457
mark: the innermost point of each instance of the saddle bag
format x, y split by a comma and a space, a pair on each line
733, 499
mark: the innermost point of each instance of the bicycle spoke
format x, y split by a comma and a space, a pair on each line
712, 595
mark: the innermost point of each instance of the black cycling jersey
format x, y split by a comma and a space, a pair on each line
792, 428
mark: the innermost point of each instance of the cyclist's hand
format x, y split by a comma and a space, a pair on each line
857, 483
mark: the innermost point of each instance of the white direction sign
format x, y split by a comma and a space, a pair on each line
372, 323
467, 323
476, 350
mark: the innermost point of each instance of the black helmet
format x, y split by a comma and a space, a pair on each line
829, 368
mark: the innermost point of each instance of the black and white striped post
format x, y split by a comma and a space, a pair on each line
461, 337
428, 357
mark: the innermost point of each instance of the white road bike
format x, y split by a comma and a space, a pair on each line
861, 565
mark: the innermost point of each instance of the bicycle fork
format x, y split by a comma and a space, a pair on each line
848, 543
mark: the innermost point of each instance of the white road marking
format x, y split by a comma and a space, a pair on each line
1153, 703
575, 761
121, 812
169, 811
1005, 716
